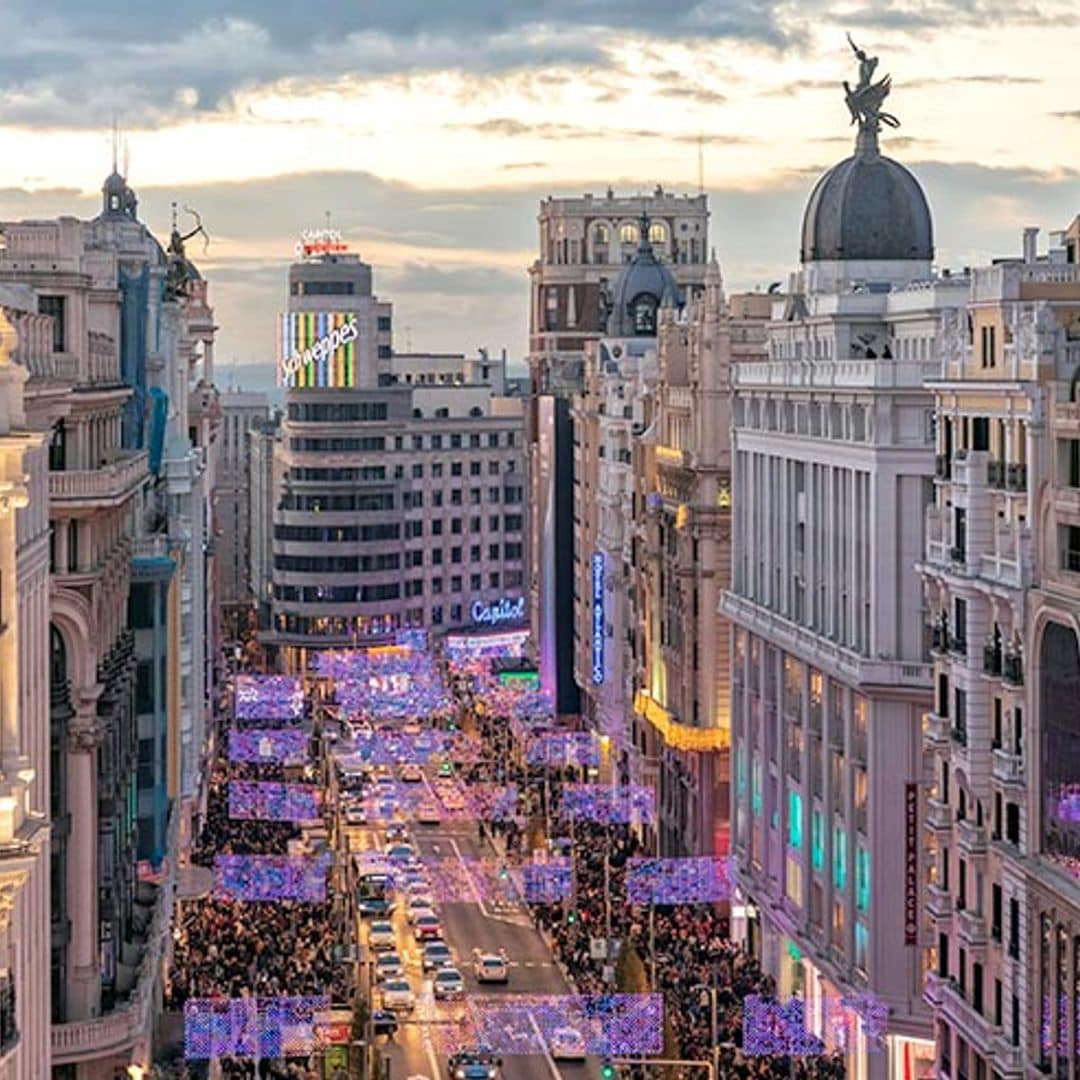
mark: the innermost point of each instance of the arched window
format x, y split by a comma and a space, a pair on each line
476, 411
643, 309
628, 234
601, 239
658, 232
418, 414
601, 234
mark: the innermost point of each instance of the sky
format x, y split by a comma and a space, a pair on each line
429, 130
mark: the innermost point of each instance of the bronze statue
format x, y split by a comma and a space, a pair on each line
180, 271
865, 99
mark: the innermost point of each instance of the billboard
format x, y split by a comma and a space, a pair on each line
318, 349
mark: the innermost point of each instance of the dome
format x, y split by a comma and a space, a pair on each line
644, 284
867, 208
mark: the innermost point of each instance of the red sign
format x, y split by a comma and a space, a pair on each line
911, 864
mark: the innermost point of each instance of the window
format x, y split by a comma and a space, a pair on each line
455, 555
862, 878
474, 553
493, 494
455, 497
475, 524
455, 442
795, 821
455, 584
56, 306
493, 468
455, 468
643, 308
1014, 928
493, 551
839, 857
493, 580
436, 444
437, 527
474, 468
817, 839
436, 498
474, 496
493, 523
628, 234
455, 613
436, 557
436, 615
474, 582
493, 440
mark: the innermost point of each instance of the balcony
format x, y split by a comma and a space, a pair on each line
937, 729
1007, 768
939, 638
958, 645
958, 554
1010, 563
971, 928
992, 660
938, 902
938, 818
995, 474
1013, 669
971, 838
1016, 478
91, 489
958, 734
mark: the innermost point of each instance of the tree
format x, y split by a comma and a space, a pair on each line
630, 975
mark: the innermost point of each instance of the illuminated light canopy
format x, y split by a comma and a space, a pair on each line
548, 882
676, 735
250, 1027
270, 801
770, 1027
678, 881
609, 805
317, 349
579, 748
268, 697
269, 747
270, 877
610, 1025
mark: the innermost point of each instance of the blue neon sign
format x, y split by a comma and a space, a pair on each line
598, 617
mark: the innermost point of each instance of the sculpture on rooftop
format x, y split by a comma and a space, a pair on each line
864, 100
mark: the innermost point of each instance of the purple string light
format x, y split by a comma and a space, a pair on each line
548, 882
771, 1027
270, 877
609, 805
578, 748
268, 697
269, 747
250, 1027
678, 881
271, 801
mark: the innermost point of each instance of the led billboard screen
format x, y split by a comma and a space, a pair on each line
318, 349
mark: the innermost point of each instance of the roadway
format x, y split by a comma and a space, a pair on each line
418, 1052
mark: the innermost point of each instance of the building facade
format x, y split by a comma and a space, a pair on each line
240, 412
584, 243
24, 699
1001, 738
832, 465
399, 501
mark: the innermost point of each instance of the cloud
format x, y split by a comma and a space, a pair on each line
1068, 114
697, 94
451, 280
510, 166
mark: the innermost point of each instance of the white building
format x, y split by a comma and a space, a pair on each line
833, 459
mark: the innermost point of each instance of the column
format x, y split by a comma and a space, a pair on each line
84, 738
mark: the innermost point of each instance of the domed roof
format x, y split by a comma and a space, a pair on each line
868, 207
644, 284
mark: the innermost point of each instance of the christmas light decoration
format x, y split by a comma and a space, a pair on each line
270, 877
250, 1027
268, 801
609, 805
268, 697
580, 748
548, 882
678, 881
269, 747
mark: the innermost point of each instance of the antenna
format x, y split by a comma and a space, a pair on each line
328, 220
127, 159
115, 142
701, 163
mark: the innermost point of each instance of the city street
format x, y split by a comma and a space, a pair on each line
416, 1050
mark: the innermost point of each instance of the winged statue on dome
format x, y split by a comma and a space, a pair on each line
864, 100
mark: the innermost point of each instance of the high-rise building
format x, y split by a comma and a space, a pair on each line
832, 469
240, 412
584, 243
399, 501
1002, 738
25, 339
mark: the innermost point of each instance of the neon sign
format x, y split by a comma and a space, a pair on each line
598, 618
319, 242
503, 610
317, 349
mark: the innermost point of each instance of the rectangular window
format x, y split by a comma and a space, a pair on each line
455, 555
793, 883
795, 822
474, 582
817, 839
839, 857
56, 306
862, 946
862, 878
455, 584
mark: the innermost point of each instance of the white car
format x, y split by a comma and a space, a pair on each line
417, 906
490, 967
381, 935
410, 727
411, 774
356, 814
401, 853
567, 1044
427, 813
389, 966
448, 985
397, 996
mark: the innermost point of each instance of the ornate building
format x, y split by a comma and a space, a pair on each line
1001, 741
832, 466
584, 244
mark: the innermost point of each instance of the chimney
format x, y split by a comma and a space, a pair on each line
1031, 243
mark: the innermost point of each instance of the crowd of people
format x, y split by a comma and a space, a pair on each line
227, 949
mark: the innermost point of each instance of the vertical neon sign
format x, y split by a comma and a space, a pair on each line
598, 618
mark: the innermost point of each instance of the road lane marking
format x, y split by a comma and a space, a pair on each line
552, 1067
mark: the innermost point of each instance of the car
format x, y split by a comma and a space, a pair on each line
490, 967
453, 800
417, 906
401, 853
448, 985
389, 966
397, 996
384, 1023
381, 935
446, 768
436, 955
427, 813
410, 727
417, 886
567, 1044
397, 831
427, 927
385, 784
475, 1065
356, 814
411, 774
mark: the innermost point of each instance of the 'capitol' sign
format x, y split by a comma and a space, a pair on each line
324, 346
504, 610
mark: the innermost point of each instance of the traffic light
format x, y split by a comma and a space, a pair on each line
607, 1072
571, 918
